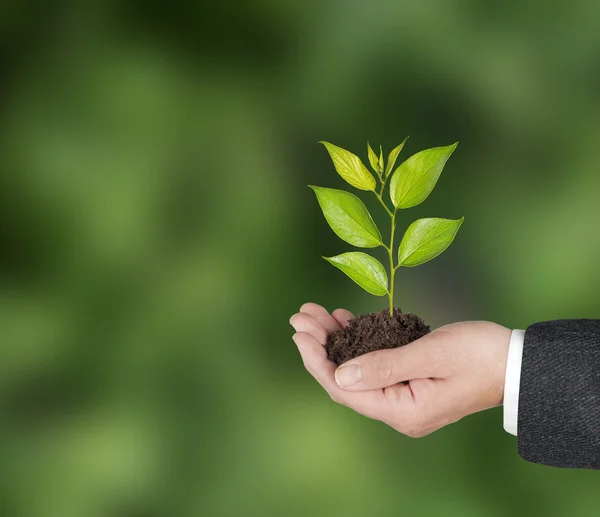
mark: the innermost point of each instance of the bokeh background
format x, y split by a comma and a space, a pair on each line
156, 234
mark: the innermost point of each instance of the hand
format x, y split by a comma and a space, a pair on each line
452, 372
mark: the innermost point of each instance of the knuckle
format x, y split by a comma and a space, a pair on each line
436, 355
309, 368
415, 433
384, 367
413, 428
391, 421
439, 360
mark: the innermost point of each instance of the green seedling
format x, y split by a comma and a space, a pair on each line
410, 184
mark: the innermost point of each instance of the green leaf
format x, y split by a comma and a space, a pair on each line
350, 167
393, 157
373, 159
381, 167
348, 217
414, 180
364, 270
426, 239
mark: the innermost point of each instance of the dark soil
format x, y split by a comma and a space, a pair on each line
374, 331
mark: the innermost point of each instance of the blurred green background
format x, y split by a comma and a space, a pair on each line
156, 234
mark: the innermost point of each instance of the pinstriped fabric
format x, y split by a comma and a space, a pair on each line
559, 401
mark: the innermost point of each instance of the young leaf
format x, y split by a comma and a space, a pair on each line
393, 157
348, 217
425, 239
414, 180
373, 159
350, 167
364, 270
381, 167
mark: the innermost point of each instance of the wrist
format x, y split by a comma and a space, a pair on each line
503, 348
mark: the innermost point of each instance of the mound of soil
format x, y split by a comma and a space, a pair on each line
374, 331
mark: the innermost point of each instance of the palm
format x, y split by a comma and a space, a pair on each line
313, 324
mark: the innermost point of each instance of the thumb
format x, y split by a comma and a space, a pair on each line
417, 360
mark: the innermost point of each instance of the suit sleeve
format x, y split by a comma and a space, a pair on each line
559, 399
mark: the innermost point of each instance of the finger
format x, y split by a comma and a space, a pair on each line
322, 316
420, 406
343, 317
305, 323
418, 360
368, 403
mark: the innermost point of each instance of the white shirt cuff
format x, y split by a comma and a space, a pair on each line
512, 381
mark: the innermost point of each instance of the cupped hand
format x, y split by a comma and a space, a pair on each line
452, 372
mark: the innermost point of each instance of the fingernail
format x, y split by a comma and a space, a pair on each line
348, 375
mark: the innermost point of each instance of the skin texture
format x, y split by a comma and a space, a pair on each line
452, 372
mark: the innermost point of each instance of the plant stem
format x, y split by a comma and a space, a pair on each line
392, 268
383, 182
383, 204
390, 250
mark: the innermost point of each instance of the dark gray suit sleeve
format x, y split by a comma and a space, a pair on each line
559, 399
